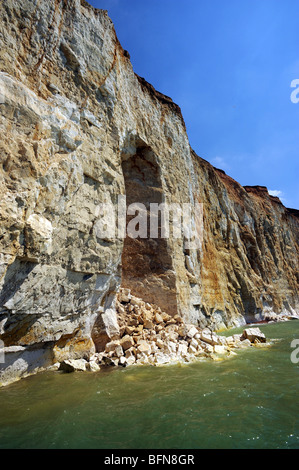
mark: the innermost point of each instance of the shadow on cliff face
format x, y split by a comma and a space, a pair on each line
17, 273
15, 276
147, 267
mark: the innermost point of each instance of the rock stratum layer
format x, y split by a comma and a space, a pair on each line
78, 129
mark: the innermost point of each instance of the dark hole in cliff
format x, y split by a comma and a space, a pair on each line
146, 262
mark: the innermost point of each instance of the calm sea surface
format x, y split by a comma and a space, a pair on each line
250, 401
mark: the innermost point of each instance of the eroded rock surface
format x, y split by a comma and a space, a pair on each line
78, 129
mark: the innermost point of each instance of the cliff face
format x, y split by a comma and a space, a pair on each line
78, 129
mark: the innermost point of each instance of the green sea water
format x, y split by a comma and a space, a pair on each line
250, 401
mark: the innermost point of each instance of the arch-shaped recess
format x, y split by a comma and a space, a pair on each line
147, 266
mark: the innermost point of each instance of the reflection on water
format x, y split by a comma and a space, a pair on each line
247, 401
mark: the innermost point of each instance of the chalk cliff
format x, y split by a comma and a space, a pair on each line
78, 129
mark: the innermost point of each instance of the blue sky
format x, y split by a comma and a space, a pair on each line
229, 65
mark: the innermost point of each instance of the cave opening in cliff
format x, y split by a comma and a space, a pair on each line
147, 268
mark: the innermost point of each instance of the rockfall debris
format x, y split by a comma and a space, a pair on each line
149, 336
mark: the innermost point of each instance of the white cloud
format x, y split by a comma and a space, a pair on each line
220, 162
279, 194
275, 192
